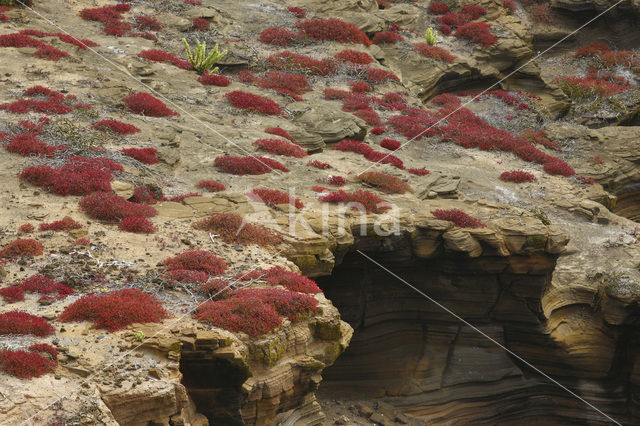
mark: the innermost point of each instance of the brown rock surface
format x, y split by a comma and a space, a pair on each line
552, 277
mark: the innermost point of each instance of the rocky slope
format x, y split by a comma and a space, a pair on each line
547, 268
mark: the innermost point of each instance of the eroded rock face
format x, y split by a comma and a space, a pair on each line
339, 5
422, 358
256, 382
568, 308
206, 377
578, 6
514, 281
323, 120
613, 161
474, 66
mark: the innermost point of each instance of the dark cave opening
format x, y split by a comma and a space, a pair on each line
381, 307
616, 28
214, 385
627, 204
412, 354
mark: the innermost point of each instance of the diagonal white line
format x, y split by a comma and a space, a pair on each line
468, 324
149, 88
206, 125
496, 83
171, 324
117, 67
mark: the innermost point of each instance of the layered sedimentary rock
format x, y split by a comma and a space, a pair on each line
263, 380
612, 160
476, 69
514, 281
434, 366
191, 375
572, 313
599, 5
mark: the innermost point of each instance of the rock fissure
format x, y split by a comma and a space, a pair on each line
512, 211
424, 360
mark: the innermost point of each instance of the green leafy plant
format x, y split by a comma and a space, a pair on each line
431, 36
200, 59
139, 335
541, 215
79, 139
